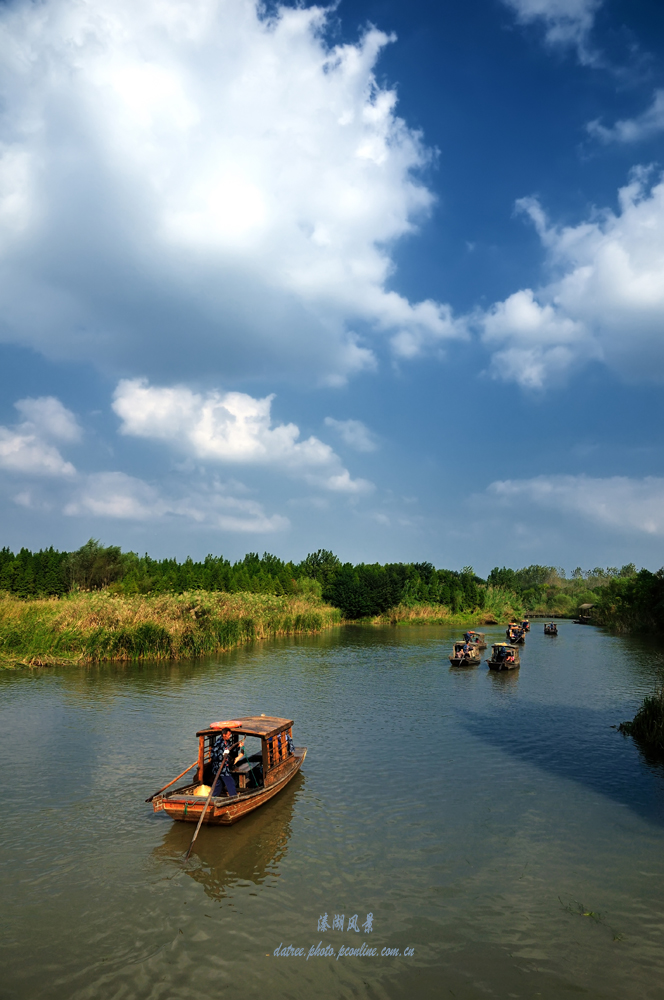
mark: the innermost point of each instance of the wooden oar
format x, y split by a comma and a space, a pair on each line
216, 778
172, 782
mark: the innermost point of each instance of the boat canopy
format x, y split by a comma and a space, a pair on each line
264, 726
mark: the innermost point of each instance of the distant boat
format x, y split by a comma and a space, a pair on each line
516, 634
551, 629
469, 658
475, 639
504, 656
257, 778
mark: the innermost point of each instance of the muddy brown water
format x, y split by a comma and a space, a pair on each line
495, 826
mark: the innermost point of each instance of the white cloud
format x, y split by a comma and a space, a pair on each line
49, 417
606, 302
566, 22
353, 433
645, 125
632, 505
25, 447
187, 183
230, 427
118, 496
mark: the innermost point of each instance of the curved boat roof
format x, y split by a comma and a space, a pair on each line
252, 725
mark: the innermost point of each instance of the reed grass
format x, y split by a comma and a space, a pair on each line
88, 627
647, 726
499, 607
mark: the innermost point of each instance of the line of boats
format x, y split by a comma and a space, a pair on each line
255, 778
504, 655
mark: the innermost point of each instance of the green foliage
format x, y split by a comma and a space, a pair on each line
630, 603
547, 590
647, 726
102, 625
368, 590
359, 591
92, 566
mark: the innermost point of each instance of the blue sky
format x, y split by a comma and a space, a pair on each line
382, 278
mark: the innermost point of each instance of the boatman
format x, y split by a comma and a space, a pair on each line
224, 751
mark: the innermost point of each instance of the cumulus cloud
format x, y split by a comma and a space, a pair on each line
353, 433
26, 447
645, 125
230, 427
118, 496
605, 303
632, 505
565, 22
189, 183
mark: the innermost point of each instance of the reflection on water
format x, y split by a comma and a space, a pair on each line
247, 852
458, 807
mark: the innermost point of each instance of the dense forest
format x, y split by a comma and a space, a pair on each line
358, 591
622, 597
548, 590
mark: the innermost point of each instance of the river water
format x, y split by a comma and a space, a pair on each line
494, 825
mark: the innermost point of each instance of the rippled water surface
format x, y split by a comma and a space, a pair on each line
494, 823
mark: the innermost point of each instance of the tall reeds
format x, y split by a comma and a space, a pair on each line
499, 606
104, 626
647, 726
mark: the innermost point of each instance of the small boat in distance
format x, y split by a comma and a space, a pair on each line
525, 625
515, 634
257, 777
551, 629
504, 656
465, 655
475, 639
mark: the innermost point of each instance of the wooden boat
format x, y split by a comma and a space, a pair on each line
258, 777
525, 625
516, 635
475, 639
551, 629
504, 656
460, 659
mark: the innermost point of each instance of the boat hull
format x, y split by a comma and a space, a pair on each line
225, 810
466, 661
501, 665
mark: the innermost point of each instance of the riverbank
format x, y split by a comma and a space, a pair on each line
89, 627
498, 609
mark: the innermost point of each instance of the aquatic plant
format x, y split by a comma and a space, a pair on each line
647, 726
498, 606
102, 626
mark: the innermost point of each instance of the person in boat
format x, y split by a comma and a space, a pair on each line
467, 649
509, 656
224, 752
468, 636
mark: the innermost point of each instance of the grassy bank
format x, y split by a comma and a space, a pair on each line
101, 626
647, 726
499, 607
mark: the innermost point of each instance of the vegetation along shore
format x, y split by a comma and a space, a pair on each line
85, 627
101, 603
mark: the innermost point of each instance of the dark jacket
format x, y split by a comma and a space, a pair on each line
226, 751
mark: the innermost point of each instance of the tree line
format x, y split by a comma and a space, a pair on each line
549, 590
358, 590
